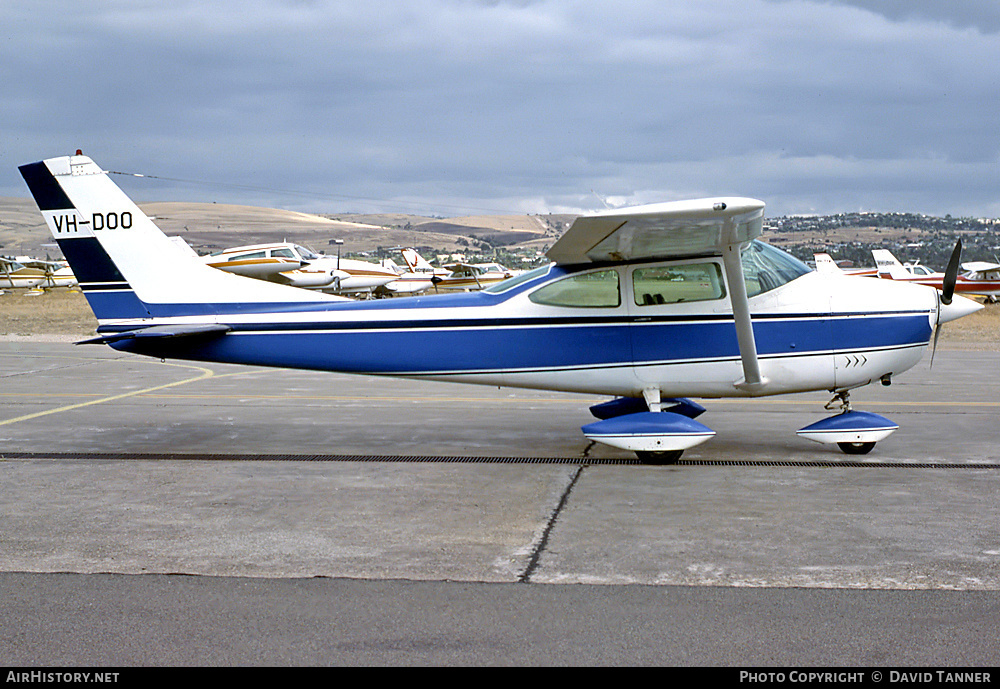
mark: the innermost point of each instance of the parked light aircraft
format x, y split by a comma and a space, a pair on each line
422, 276
15, 275
406, 281
826, 264
474, 276
980, 278
651, 305
418, 276
290, 264
32, 273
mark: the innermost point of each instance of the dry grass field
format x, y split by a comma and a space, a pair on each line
58, 312
62, 313
208, 227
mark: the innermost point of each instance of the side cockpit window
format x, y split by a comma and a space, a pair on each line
585, 290
677, 283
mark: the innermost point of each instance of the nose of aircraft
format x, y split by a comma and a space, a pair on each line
959, 307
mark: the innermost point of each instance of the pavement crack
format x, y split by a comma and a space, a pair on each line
536, 554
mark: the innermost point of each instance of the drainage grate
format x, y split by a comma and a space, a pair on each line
466, 459
157, 456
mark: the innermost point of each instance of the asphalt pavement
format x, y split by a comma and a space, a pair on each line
119, 474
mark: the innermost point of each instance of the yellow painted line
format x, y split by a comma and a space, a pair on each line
205, 373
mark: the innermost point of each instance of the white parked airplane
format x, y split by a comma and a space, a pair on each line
290, 264
455, 277
32, 273
418, 276
651, 305
474, 276
15, 275
980, 277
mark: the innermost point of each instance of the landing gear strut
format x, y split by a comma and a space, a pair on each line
841, 400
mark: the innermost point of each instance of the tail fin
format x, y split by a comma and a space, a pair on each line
826, 264
888, 266
126, 267
416, 262
391, 265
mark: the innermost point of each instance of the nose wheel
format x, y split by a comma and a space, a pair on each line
854, 432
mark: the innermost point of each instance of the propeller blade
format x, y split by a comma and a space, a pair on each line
951, 274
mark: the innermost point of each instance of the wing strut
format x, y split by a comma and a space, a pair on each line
752, 379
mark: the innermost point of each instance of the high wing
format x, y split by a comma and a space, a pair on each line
660, 230
455, 267
714, 226
980, 266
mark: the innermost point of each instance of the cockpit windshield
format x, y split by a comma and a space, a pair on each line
766, 268
306, 254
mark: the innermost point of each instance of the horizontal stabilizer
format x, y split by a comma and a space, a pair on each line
162, 332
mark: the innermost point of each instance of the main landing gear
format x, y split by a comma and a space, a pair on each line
658, 431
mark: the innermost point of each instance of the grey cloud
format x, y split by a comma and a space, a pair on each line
982, 15
500, 105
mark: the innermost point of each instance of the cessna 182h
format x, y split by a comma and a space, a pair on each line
651, 305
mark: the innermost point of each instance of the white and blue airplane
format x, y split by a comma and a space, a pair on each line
652, 305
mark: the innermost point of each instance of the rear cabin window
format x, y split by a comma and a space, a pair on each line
586, 290
677, 283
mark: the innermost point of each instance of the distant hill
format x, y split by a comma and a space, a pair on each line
496, 230
209, 227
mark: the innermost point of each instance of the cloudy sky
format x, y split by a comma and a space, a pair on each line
447, 107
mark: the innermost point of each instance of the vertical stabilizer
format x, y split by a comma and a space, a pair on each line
125, 265
888, 265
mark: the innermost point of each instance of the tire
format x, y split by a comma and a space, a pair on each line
856, 448
659, 458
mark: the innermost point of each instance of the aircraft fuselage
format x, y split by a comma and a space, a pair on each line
809, 333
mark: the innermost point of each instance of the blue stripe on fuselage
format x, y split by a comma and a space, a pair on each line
410, 348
